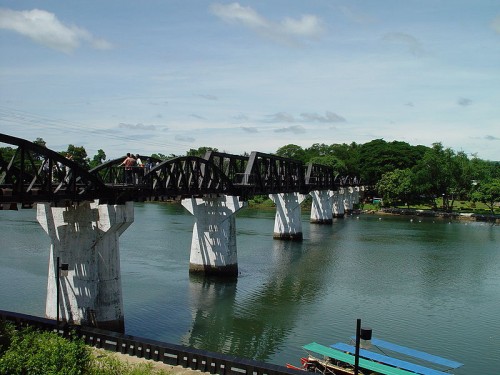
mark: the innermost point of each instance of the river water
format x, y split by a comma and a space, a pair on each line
426, 283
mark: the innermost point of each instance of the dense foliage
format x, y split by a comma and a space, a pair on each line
31, 352
28, 351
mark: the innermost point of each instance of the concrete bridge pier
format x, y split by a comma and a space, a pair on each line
85, 237
288, 222
213, 244
356, 195
348, 199
338, 204
322, 205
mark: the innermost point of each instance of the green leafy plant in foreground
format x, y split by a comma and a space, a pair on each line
34, 352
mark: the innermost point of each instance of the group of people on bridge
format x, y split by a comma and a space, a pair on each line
135, 168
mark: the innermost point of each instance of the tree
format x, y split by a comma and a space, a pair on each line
98, 159
78, 155
200, 151
488, 192
293, 152
397, 186
378, 157
163, 156
331, 161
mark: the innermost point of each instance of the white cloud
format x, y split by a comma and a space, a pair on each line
295, 129
495, 24
249, 129
409, 41
329, 117
208, 97
44, 28
288, 31
464, 102
183, 138
136, 126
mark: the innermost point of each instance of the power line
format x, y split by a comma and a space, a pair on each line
25, 118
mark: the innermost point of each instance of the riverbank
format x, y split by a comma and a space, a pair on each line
494, 219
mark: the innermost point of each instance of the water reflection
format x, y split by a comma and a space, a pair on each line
256, 324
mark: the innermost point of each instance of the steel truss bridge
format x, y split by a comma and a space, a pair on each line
34, 173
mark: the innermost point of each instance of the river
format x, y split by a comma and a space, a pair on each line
424, 283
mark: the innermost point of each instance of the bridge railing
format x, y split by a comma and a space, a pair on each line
172, 354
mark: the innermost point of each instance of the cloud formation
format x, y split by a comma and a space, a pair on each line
183, 138
249, 129
410, 42
295, 129
287, 31
464, 102
495, 24
44, 28
491, 138
329, 117
136, 126
208, 97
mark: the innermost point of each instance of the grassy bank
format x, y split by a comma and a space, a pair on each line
28, 351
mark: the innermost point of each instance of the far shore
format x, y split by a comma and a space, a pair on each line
437, 214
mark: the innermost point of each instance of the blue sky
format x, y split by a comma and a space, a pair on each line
166, 76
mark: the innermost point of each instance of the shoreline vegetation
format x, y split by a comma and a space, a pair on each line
465, 210
31, 351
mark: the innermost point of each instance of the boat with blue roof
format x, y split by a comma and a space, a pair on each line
366, 355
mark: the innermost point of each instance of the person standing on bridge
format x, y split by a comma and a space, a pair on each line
128, 163
139, 169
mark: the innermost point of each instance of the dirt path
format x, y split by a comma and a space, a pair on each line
176, 370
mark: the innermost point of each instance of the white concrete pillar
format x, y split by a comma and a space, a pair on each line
338, 203
288, 221
348, 199
321, 207
213, 244
85, 237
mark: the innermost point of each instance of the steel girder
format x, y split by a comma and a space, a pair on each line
34, 173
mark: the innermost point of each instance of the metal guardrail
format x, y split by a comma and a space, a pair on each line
175, 355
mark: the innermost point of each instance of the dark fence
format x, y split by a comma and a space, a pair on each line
176, 355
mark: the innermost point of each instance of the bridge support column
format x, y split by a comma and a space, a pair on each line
85, 237
288, 222
321, 209
338, 204
213, 245
348, 199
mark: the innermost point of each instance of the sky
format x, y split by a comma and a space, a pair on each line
165, 76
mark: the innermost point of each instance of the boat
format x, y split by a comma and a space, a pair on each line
340, 359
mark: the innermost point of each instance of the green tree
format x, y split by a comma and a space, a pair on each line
78, 155
98, 159
330, 160
40, 142
163, 156
397, 186
200, 151
293, 152
488, 192
378, 157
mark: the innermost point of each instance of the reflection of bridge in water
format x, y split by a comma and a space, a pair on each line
85, 212
257, 324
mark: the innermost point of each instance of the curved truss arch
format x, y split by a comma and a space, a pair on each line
188, 176
34, 173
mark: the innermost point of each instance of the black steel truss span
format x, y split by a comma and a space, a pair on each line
34, 173
187, 176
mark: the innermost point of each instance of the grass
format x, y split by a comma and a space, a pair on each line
458, 206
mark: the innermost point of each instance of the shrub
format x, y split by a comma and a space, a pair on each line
34, 352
